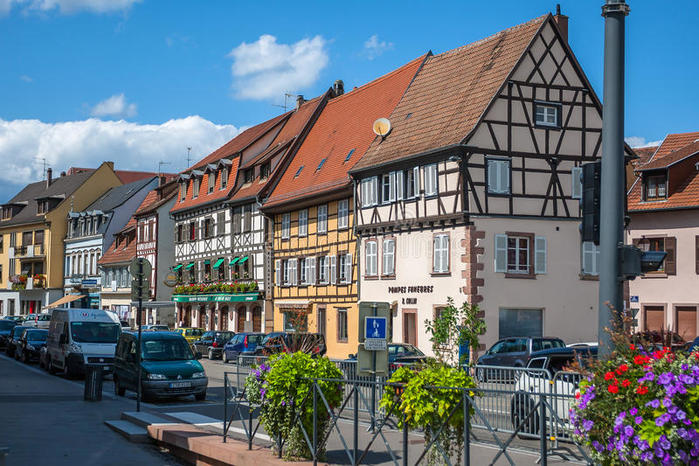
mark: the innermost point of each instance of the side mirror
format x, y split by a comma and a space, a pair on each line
197, 355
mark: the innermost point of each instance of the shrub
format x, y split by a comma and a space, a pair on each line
640, 408
285, 391
426, 407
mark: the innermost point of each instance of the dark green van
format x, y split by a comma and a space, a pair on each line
169, 367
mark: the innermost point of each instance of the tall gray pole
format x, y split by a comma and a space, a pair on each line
613, 193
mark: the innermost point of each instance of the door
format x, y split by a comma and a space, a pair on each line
257, 319
240, 326
200, 317
320, 322
686, 322
223, 318
410, 326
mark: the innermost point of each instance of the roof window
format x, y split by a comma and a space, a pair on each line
349, 155
322, 162
298, 172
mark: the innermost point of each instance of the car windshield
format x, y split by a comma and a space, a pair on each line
7, 324
37, 336
410, 349
255, 338
19, 331
95, 332
225, 336
43, 317
168, 349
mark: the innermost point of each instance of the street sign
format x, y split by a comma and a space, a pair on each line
140, 292
140, 266
371, 363
375, 327
634, 299
373, 309
170, 280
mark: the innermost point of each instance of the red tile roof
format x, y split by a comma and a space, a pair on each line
121, 254
672, 142
204, 196
644, 155
345, 124
671, 158
155, 199
450, 93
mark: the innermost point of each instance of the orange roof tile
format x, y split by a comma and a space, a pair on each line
672, 157
204, 196
644, 155
120, 254
685, 196
450, 93
344, 125
154, 199
672, 142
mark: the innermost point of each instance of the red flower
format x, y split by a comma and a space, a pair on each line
658, 354
642, 390
639, 359
613, 389
632, 347
625, 383
623, 368
609, 376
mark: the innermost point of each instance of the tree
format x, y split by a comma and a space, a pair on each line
454, 327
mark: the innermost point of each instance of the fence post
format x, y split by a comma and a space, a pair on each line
467, 429
356, 425
225, 406
315, 423
249, 426
542, 429
405, 440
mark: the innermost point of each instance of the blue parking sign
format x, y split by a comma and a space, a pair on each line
375, 327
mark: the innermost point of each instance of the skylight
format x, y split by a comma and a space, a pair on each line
298, 172
349, 155
322, 162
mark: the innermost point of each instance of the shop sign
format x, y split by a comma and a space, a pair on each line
218, 297
411, 289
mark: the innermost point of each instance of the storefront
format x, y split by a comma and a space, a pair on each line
239, 312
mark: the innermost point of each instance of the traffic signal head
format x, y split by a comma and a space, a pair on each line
591, 176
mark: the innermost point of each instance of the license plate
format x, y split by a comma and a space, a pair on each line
180, 384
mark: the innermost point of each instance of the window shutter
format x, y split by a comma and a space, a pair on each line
436, 256
445, 253
326, 269
333, 269
399, 185
576, 183
504, 176
501, 253
696, 255
493, 176
670, 259
348, 268
311, 274
540, 254
278, 272
293, 272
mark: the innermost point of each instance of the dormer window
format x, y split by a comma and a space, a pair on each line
264, 171
224, 178
183, 191
547, 114
212, 181
42, 207
6, 213
656, 187
248, 175
195, 188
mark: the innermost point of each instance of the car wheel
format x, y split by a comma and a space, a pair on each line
200, 396
210, 355
49, 366
224, 358
118, 389
25, 358
522, 404
68, 371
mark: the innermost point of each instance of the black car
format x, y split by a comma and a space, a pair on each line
30, 344
16, 334
291, 342
516, 351
211, 343
400, 354
6, 326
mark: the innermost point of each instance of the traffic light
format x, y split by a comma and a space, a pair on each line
591, 175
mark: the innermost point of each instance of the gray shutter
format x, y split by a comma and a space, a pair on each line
492, 168
278, 272
333, 269
576, 183
540, 254
312, 270
501, 253
436, 257
348, 268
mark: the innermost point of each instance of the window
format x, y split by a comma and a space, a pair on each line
520, 322
343, 213
248, 175
333, 269
388, 187
576, 182
323, 218
247, 219
183, 191
179, 233
440, 254
412, 182
298, 172
547, 114
346, 268
308, 271
431, 180
208, 227
292, 272
303, 222
303, 270
27, 238
264, 171
224, 178
237, 219
389, 257
656, 187
322, 162
221, 223
410, 327
686, 322
590, 258
517, 254
349, 155
195, 189
6, 213
371, 258
286, 225
212, 182
342, 325
192, 231
324, 270
38, 237
498, 173
2, 243
514, 253
369, 191
667, 244
654, 318
42, 206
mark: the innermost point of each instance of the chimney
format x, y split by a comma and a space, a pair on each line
338, 88
562, 21
49, 176
299, 101
161, 180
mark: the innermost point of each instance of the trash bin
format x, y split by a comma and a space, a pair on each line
93, 382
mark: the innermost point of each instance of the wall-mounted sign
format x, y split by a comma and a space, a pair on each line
221, 297
412, 301
411, 289
634, 299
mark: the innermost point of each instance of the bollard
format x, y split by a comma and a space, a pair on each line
93, 383
467, 429
225, 405
542, 423
405, 440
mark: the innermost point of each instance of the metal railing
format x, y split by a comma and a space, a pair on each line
522, 418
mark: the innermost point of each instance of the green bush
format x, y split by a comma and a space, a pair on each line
426, 407
285, 391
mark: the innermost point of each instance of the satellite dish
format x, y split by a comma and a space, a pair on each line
382, 127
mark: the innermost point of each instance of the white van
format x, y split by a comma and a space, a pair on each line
81, 336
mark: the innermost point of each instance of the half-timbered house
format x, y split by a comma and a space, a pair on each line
475, 193
315, 259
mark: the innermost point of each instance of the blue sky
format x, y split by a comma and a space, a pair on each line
139, 81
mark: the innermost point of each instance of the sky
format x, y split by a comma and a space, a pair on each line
140, 82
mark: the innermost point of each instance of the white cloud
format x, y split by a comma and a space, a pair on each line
374, 47
266, 69
87, 143
68, 6
639, 141
26, 79
114, 106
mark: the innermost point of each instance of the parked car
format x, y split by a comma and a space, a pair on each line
211, 343
6, 327
81, 336
43, 358
18, 319
400, 354
290, 342
13, 341
30, 344
241, 343
38, 320
515, 351
155, 328
190, 334
169, 368
552, 372
692, 346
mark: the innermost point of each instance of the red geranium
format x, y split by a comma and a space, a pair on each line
642, 390
623, 368
639, 359
625, 383
609, 376
632, 347
613, 389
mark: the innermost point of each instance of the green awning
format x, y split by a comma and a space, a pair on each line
234, 261
207, 262
218, 263
243, 259
178, 267
190, 265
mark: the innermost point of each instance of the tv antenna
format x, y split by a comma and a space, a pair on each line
189, 163
286, 97
45, 165
160, 165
